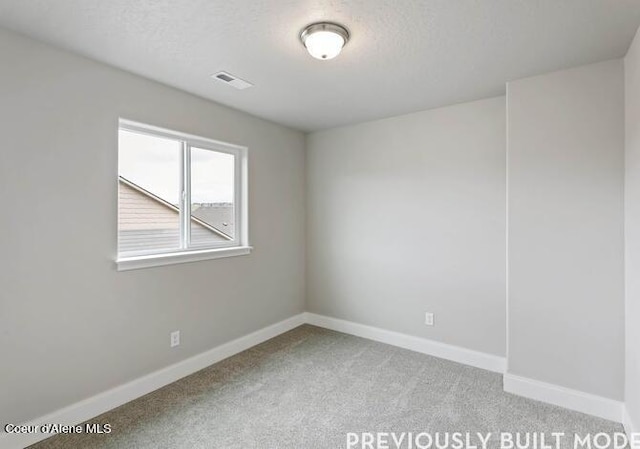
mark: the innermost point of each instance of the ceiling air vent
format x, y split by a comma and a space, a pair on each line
232, 80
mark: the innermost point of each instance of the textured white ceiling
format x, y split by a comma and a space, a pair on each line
404, 55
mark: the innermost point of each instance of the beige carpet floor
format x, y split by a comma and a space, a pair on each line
310, 387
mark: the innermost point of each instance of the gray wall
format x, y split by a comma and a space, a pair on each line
407, 215
565, 220
632, 230
70, 325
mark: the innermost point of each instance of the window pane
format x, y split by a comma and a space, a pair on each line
148, 193
212, 196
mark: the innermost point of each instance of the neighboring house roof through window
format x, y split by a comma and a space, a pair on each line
202, 216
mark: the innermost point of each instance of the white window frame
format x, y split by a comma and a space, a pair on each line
238, 246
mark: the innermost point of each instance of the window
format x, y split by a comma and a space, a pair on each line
181, 198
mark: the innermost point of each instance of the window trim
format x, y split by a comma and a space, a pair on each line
240, 243
158, 260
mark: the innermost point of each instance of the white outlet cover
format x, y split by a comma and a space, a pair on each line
428, 319
175, 338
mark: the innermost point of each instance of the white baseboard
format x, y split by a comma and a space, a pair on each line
442, 350
103, 402
564, 397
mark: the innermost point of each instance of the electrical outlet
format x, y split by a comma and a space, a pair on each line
175, 338
428, 319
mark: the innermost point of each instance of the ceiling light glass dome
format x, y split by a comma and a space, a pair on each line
324, 40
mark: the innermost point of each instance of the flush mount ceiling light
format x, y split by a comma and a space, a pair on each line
324, 40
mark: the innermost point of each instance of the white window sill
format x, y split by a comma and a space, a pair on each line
158, 260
